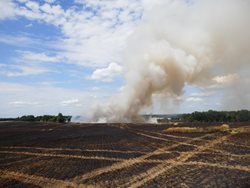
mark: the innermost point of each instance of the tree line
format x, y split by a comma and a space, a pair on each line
217, 116
45, 118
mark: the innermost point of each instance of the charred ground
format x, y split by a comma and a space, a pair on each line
121, 155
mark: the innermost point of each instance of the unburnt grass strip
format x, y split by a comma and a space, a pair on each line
108, 155
22, 148
75, 153
61, 155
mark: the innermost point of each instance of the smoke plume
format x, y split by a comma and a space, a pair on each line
180, 42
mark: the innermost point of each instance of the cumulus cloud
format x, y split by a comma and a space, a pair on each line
108, 73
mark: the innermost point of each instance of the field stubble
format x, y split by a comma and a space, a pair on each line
123, 155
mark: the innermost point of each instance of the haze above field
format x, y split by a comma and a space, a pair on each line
71, 56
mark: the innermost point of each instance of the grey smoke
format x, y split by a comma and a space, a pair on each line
180, 43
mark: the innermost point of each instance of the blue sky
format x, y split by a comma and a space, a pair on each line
61, 55
65, 55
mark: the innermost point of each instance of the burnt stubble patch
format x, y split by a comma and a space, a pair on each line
118, 155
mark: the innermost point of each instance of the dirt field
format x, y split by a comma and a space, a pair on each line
121, 155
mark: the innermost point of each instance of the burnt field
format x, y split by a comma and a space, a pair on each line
121, 155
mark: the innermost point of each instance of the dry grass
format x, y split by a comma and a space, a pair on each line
221, 128
240, 130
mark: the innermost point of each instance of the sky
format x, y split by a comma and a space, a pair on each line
66, 56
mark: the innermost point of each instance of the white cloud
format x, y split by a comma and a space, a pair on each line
12, 87
21, 70
95, 88
194, 99
70, 102
23, 103
226, 79
29, 25
28, 56
202, 94
20, 99
15, 40
28, 63
92, 36
49, 1
7, 9
107, 74
22, 1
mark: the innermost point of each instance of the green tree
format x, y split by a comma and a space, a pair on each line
60, 118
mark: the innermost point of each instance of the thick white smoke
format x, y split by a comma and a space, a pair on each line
180, 42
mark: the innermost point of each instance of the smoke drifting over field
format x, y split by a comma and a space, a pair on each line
180, 43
